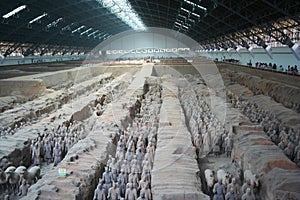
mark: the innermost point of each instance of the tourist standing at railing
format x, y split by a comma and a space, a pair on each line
281, 68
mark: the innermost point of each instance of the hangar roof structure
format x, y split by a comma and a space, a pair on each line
34, 27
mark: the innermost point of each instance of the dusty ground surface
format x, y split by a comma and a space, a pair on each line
24, 70
174, 172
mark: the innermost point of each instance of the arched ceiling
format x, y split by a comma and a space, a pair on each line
206, 21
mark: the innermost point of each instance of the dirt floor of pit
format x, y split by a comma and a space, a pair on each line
25, 70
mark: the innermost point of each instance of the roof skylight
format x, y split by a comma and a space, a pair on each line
78, 29
196, 5
86, 31
54, 23
123, 10
15, 11
38, 18
93, 33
